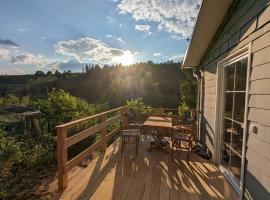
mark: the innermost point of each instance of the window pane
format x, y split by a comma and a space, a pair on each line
241, 75
237, 138
226, 156
227, 131
226, 142
229, 77
235, 165
228, 105
239, 106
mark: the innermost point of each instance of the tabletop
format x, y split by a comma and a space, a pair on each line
158, 121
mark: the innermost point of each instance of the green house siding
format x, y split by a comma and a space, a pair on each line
247, 22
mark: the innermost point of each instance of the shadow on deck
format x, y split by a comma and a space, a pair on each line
151, 175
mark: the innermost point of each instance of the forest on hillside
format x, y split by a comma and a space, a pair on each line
158, 84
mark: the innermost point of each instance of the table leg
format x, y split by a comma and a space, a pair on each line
153, 145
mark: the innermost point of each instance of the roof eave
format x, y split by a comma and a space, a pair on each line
210, 17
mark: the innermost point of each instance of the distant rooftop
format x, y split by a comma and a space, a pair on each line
23, 110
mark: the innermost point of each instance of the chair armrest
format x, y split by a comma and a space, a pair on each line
181, 136
179, 133
186, 129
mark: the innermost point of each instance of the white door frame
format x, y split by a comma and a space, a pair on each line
242, 53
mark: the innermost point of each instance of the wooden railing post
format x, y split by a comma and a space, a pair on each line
160, 110
122, 112
62, 157
126, 109
104, 133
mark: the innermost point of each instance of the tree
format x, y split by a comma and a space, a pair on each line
86, 69
57, 73
188, 93
39, 74
97, 67
49, 73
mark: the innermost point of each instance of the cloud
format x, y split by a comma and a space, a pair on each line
143, 28
43, 38
156, 54
119, 39
72, 65
36, 60
87, 49
11, 70
8, 42
22, 59
21, 29
109, 19
175, 16
27, 63
176, 37
177, 57
4, 53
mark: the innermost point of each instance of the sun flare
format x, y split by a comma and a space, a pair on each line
126, 58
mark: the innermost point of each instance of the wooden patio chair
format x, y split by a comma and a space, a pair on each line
182, 133
129, 131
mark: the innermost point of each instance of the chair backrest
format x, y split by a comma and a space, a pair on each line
188, 126
192, 122
177, 120
124, 121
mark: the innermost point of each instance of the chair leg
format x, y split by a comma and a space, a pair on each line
189, 150
137, 145
191, 147
172, 148
123, 143
188, 156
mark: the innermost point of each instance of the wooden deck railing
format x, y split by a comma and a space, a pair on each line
63, 142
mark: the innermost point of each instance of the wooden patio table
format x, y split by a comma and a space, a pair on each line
162, 124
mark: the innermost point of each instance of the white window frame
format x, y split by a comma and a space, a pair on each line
242, 53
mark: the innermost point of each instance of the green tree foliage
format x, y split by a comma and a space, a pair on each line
10, 150
9, 99
139, 105
21, 149
188, 94
158, 84
39, 73
19, 146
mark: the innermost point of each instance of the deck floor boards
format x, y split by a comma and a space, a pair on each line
149, 176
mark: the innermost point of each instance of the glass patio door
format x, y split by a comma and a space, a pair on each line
234, 92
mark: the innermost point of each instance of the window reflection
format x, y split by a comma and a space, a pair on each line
229, 77
241, 75
233, 114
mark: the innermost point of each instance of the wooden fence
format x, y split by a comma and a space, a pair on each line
63, 142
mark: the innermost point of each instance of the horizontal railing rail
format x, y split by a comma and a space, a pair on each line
64, 142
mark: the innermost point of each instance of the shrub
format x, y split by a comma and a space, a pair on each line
139, 105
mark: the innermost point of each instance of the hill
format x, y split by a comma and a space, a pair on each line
158, 84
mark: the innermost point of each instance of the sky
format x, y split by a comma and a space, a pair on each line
68, 34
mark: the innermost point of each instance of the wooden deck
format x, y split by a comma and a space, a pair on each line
151, 175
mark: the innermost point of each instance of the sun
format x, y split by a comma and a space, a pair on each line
126, 58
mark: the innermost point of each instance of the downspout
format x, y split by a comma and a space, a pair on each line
197, 75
